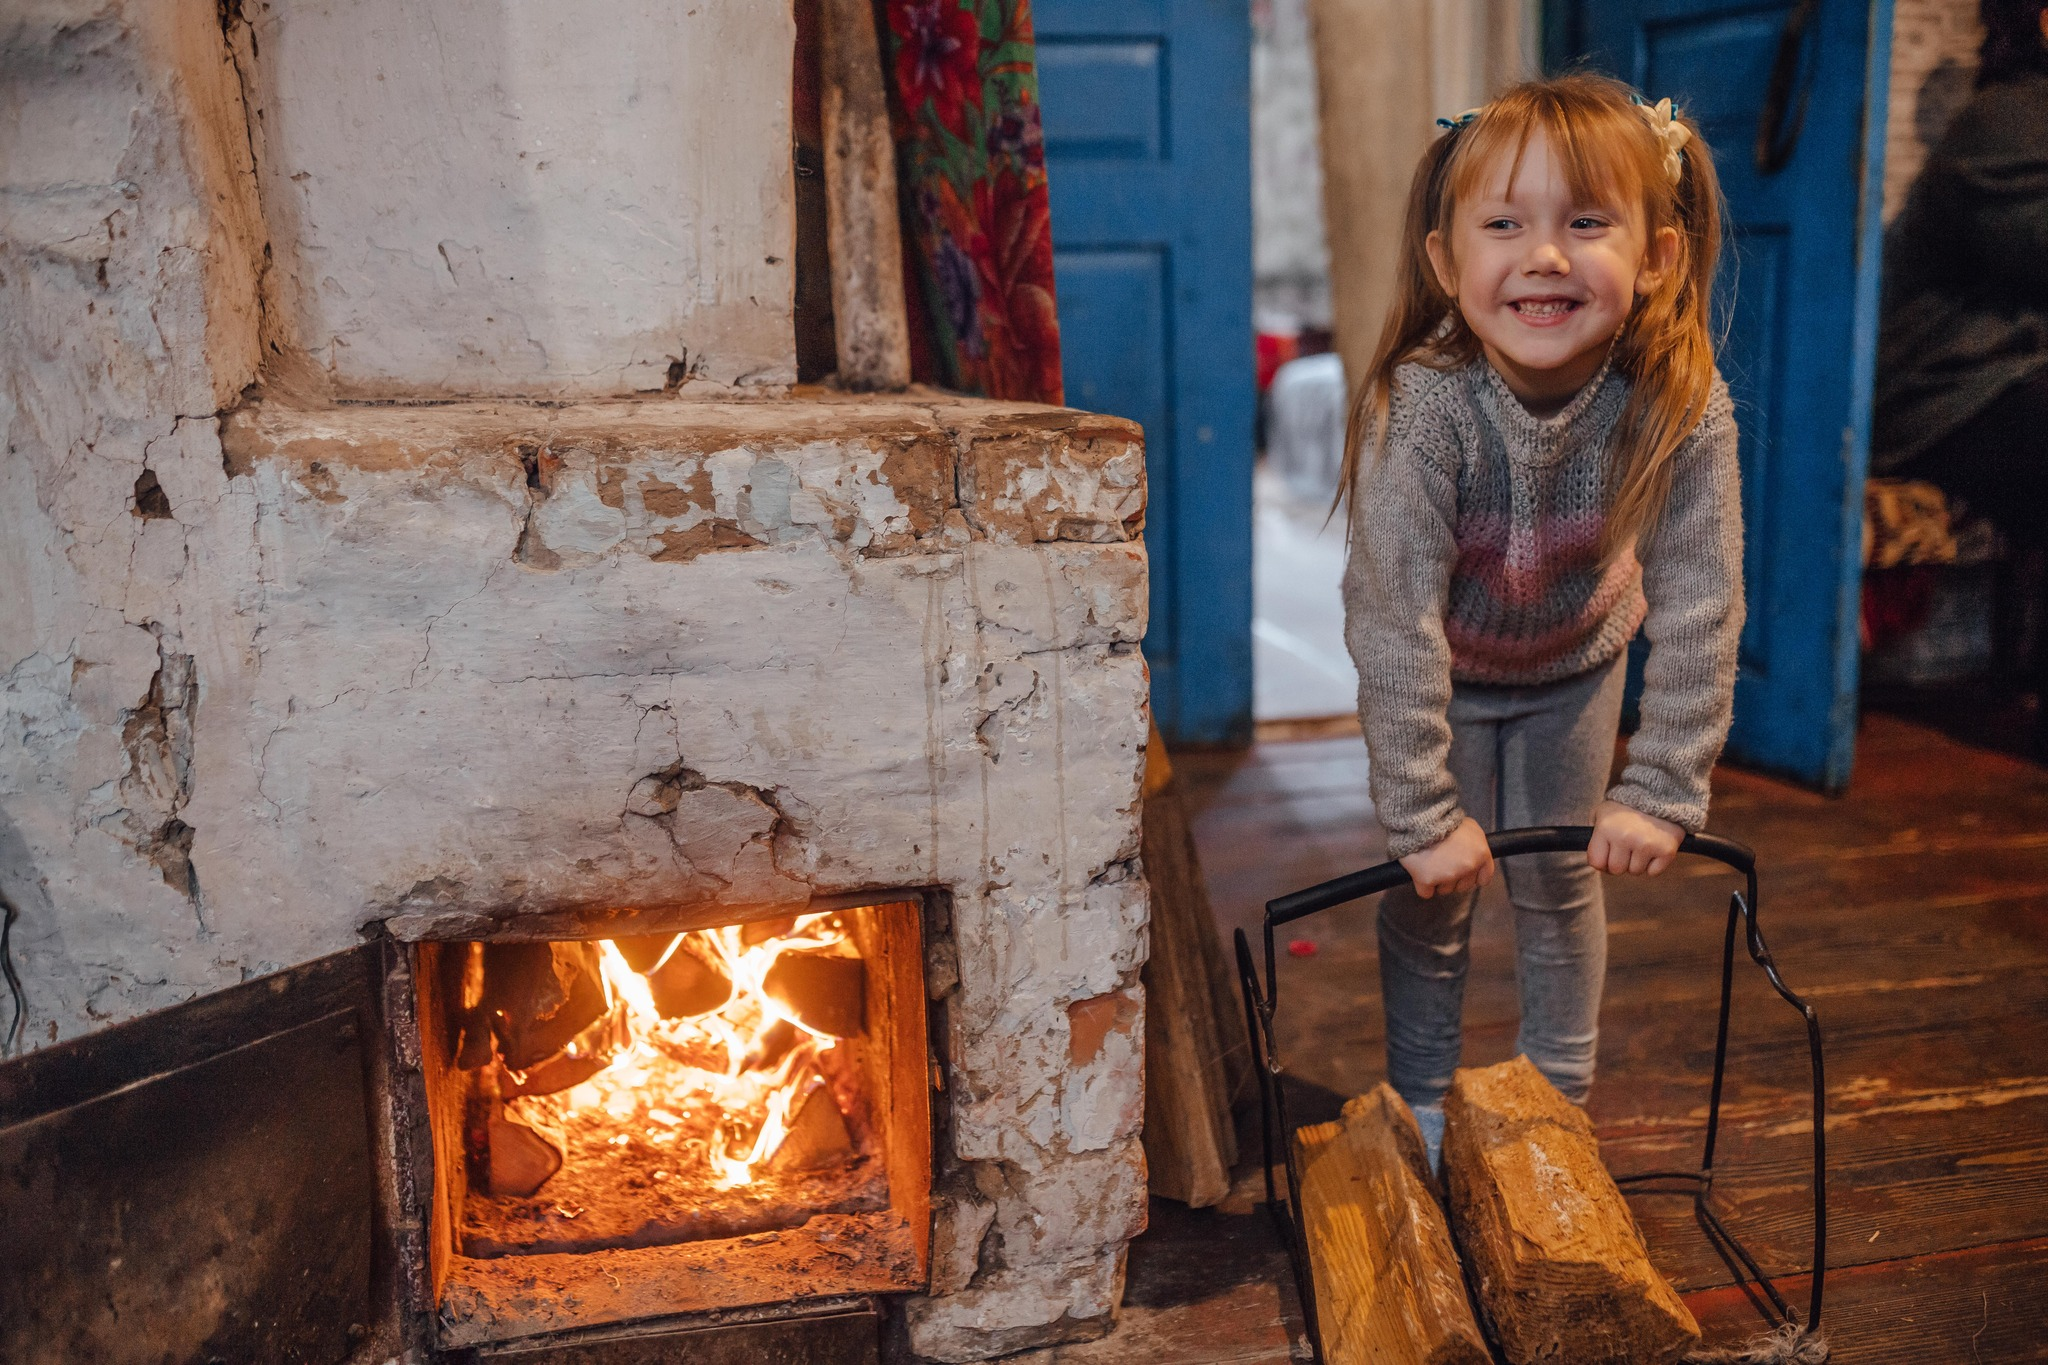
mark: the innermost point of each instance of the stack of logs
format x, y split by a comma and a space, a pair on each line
1552, 1254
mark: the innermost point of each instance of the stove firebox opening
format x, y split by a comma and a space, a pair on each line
696, 1088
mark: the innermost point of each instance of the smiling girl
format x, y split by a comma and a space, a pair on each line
1542, 460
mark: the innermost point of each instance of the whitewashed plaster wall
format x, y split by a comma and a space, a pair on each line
497, 197
128, 241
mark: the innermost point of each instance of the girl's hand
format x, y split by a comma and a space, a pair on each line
1626, 840
1460, 861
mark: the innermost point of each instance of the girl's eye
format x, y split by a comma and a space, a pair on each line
1588, 223
1499, 224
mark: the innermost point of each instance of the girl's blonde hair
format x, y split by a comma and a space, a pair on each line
1608, 150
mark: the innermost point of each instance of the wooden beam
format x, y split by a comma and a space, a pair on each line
1388, 1287
1561, 1268
870, 324
1190, 1141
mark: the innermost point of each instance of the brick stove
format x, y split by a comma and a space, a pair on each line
435, 573
494, 683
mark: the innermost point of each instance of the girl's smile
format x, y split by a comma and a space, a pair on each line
1544, 278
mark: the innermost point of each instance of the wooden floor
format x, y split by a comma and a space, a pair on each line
1913, 913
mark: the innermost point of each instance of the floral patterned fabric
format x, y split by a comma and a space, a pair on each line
977, 222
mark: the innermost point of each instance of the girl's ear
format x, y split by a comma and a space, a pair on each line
1440, 263
1657, 261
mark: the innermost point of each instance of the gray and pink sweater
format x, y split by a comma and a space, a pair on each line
1475, 559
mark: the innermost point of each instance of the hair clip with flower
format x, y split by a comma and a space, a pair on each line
1668, 131
1453, 124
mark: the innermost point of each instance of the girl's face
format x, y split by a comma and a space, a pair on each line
1546, 280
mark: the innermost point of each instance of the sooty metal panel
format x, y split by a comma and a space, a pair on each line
218, 1212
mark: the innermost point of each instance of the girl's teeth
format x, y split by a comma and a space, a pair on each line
1543, 310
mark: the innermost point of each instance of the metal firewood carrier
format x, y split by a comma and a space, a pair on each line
1261, 999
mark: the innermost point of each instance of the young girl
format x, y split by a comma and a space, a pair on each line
1541, 461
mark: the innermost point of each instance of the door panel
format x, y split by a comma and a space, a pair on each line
1112, 98
1798, 298
1147, 135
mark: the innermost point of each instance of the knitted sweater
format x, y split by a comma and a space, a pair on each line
1475, 558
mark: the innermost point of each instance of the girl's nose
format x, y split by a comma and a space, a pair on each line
1547, 259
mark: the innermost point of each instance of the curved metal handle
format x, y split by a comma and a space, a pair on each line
1507, 843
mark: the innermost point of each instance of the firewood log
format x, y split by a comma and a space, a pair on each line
1190, 1143
539, 996
521, 1158
642, 951
824, 991
1559, 1263
688, 983
1388, 1287
817, 1135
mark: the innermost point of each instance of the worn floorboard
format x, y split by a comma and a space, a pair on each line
1913, 912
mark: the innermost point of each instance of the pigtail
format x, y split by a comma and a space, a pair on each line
1421, 325
1667, 353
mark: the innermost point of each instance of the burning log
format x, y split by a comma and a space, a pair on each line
772, 1046
520, 1159
539, 996
588, 1053
686, 985
817, 1136
643, 952
1560, 1264
1388, 1286
756, 932
825, 991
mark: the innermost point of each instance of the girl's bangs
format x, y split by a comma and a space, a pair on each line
1602, 159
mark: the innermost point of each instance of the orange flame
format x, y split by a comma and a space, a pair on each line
673, 1067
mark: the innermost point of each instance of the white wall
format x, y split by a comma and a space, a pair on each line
512, 198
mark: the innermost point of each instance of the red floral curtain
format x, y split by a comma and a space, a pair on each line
978, 226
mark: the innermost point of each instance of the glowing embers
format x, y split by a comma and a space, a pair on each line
668, 1088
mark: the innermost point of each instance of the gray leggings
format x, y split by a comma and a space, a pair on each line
1520, 756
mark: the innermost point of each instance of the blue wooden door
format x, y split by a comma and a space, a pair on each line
1798, 294
1148, 146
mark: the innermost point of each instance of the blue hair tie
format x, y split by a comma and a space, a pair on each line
1453, 124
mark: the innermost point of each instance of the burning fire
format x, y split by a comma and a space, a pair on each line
689, 1070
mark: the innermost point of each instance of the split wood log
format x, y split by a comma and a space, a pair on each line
1559, 1263
771, 1046
685, 984
817, 1136
758, 931
1191, 1029
824, 991
539, 996
521, 1159
870, 319
1388, 1287
643, 951
588, 1053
